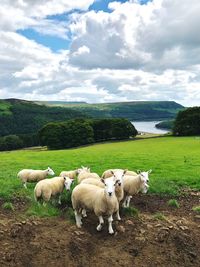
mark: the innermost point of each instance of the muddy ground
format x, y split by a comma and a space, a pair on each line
138, 241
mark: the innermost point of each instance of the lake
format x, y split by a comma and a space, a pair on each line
148, 127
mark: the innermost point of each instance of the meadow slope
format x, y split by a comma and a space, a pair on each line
175, 162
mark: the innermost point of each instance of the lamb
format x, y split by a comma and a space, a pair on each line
70, 174
85, 173
47, 188
29, 175
132, 185
102, 201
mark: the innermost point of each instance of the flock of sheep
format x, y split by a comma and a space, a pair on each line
102, 195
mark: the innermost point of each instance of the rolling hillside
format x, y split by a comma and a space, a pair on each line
136, 110
21, 117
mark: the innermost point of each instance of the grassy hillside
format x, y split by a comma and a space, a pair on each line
21, 117
171, 171
137, 110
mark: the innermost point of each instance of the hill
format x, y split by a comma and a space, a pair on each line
21, 116
134, 110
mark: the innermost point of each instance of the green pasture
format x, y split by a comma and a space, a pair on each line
175, 163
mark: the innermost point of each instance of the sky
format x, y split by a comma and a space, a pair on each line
100, 51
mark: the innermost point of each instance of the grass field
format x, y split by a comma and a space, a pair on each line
175, 163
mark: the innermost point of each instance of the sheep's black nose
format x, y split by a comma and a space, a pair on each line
110, 194
119, 184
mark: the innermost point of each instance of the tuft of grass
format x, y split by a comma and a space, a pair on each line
8, 206
39, 210
196, 209
173, 203
130, 211
159, 216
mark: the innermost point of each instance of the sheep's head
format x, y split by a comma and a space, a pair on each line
119, 176
83, 169
50, 171
144, 183
68, 182
145, 175
110, 184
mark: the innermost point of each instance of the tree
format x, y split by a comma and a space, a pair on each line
187, 122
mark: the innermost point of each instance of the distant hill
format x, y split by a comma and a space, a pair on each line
21, 116
135, 110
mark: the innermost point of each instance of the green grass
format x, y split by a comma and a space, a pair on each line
196, 209
8, 206
173, 203
175, 163
37, 209
159, 216
130, 211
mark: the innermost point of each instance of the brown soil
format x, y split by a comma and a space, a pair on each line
141, 241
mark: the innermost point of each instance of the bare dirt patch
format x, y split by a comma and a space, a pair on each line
142, 241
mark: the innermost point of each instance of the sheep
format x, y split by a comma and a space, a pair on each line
70, 174
132, 185
29, 175
85, 173
47, 188
102, 201
97, 182
109, 173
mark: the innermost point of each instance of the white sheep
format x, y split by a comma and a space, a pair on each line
132, 185
102, 201
97, 182
85, 173
109, 173
29, 175
71, 174
47, 188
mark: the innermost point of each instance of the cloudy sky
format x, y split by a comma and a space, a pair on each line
100, 50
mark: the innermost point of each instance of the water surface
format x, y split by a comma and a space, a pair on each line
148, 127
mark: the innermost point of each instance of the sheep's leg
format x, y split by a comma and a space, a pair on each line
78, 219
118, 216
101, 222
124, 205
59, 200
84, 213
24, 184
110, 229
128, 201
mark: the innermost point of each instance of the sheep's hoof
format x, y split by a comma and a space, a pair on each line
111, 232
99, 228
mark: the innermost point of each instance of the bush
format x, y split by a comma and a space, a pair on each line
187, 122
107, 129
10, 142
65, 135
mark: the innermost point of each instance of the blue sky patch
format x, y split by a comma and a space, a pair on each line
53, 42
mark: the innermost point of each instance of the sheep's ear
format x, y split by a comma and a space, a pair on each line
102, 180
138, 171
125, 171
150, 171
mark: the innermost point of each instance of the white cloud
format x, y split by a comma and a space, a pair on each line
136, 52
